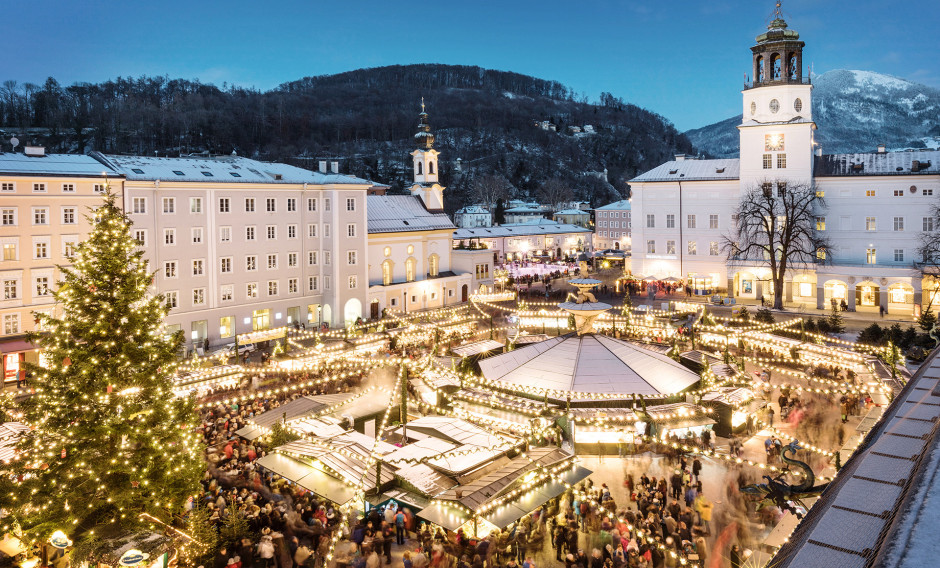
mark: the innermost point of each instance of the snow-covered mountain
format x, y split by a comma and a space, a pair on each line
854, 111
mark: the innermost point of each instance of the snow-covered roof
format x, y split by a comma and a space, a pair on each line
518, 229
472, 209
401, 213
221, 169
518, 210
615, 206
53, 164
589, 363
878, 164
572, 212
881, 508
692, 170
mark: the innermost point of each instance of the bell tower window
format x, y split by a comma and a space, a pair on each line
759, 69
793, 67
777, 65
430, 167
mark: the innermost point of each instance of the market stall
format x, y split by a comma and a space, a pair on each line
734, 408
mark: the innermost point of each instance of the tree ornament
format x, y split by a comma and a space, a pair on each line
92, 288
135, 484
66, 361
64, 453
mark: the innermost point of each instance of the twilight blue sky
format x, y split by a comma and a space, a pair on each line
683, 59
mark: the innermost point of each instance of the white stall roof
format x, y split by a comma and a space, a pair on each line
455, 430
589, 363
477, 347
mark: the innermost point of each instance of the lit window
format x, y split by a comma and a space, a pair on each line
713, 221
651, 247
272, 261
225, 265
899, 193
10, 289
869, 193
172, 299
768, 161
781, 161
670, 247
228, 293
353, 282
198, 267
251, 290
292, 259
251, 263
870, 224
42, 286
870, 256
690, 219
272, 288
169, 269
292, 286
820, 223
42, 250
351, 257
692, 248
713, 248
199, 296
11, 323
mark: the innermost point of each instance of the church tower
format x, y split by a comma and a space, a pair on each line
776, 131
425, 157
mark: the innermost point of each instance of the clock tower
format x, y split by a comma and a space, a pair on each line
776, 131
426, 184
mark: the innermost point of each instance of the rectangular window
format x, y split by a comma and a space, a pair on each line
670, 221
291, 285
199, 296
7, 187
39, 188
292, 231
312, 258
225, 234
898, 255
68, 188
869, 193
225, 265
351, 258
311, 204
10, 289
249, 233
140, 235
670, 247
820, 223
928, 224
353, 282
713, 221
291, 204
820, 193
249, 204
172, 300
251, 290
768, 161
11, 323
99, 188
927, 191
272, 232
690, 221
140, 205
68, 247
899, 193
713, 248
198, 267
351, 230
326, 204
870, 223
313, 284
650, 247
271, 205
197, 235
326, 257
350, 206
169, 205
272, 261
292, 259
650, 221
272, 287
326, 230
870, 256
40, 216
169, 269
42, 250
311, 231
9, 217
251, 263
9, 251
692, 248
228, 293
68, 216
899, 223
781, 161
42, 286
326, 282
224, 205
195, 205
169, 236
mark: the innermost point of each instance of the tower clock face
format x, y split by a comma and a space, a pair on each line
773, 142
774, 105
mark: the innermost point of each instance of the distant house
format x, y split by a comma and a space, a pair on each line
523, 214
612, 226
473, 216
545, 239
573, 217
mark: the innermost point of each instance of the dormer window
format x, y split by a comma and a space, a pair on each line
207, 174
137, 170
672, 172
179, 173
235, 174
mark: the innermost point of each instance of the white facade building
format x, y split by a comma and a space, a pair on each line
44, 203
876, 203
242, 246
526, 241
473, 216
612, 226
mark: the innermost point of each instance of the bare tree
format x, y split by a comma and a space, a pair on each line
777, 226
555, 192
928, 252
487, 189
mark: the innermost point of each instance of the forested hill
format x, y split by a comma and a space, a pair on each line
365, 118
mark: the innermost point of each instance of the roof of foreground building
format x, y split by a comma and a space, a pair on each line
590, 363
402, 213
878, 164
689, 169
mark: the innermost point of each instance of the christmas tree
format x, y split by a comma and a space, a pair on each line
109, 444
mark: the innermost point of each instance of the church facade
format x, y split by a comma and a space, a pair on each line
876, 203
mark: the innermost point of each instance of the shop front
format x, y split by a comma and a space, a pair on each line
15, 354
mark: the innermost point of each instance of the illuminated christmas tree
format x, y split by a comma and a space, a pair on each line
109, 443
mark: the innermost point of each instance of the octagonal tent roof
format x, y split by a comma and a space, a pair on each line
591, 364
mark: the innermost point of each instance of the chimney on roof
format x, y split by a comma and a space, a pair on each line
881, 149
819, 151
334, 167
35, 151
680, 157
322, 166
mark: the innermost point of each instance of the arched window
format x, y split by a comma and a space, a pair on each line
430, 167
776, 65
410, 270
433, 265
419, 168
386, 272
759, 69
793, 67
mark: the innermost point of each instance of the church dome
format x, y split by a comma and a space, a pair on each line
424, 138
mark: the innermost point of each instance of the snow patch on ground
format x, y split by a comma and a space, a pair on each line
881, 80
